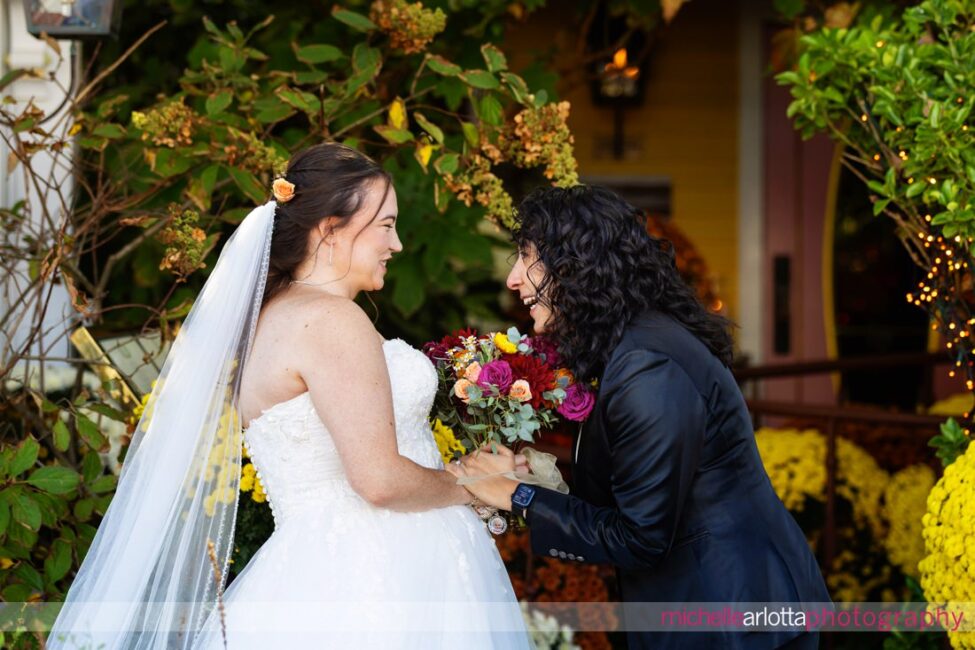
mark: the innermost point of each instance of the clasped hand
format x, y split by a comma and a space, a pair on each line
496, 490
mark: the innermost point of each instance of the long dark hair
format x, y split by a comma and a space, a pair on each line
330, 181
602, 268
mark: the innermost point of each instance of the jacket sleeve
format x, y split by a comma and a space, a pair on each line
655, 421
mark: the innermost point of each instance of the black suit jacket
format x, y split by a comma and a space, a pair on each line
668, 486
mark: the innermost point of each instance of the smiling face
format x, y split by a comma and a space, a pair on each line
363, 247
525, 278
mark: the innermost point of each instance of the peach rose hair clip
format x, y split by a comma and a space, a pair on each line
283, 190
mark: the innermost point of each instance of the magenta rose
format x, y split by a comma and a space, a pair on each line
496, 373
577, 404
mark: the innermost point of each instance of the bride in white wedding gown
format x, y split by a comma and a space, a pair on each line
373, 543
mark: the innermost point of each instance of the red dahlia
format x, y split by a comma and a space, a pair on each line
539, 376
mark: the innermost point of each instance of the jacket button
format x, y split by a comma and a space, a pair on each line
571, 556
579, 557
562, 554
553, 552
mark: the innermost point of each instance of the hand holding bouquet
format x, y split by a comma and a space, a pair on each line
502, 388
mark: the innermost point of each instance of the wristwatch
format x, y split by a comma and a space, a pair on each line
522, 497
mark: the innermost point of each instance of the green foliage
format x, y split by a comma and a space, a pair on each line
950, 443
896, 90
215, 145
53, 492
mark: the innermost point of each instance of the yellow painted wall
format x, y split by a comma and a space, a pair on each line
686, 130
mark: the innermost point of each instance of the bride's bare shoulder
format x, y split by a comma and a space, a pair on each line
321, 316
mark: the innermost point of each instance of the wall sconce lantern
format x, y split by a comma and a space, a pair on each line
619, 72
619, 82
73, 19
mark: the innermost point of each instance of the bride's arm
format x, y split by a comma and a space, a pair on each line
341, 361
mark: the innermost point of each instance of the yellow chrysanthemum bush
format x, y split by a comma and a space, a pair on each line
877, 515
948, 570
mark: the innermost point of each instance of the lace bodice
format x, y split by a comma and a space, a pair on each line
296, 459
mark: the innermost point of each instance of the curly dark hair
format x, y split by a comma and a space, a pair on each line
602, 269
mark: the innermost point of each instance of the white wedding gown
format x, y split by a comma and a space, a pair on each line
341, 573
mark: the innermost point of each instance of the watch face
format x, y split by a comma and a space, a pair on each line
523, 495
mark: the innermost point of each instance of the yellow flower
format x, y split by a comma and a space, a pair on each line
948, 570
905, 499
397, 114
504, 344
447, 442
796, 465
258, 495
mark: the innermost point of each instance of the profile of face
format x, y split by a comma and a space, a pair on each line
525, 278
360, 249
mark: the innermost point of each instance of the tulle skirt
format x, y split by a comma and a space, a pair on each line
363, 577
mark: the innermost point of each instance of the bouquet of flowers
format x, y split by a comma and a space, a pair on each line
502, 387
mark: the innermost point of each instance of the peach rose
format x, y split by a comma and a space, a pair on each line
472, 372
283, 190
521, 391
461, 388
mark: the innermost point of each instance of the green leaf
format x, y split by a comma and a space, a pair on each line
272, 110
25, 457
218, 102
410, 290
107, 411
200, 191
447, 163
83, 509
299, 99
111, 131
541, 98
62, 437
352, 19
914, 189
4, 517
104, 483
91, 466
491, 110
366, 63
22, 124
16, 593
54, 479
318, 53
89, 433
393, 136
471, 134
25, 511
442, 66
30, 576
494, 58
435, 131
58, 560
517, 86
12, 76
171, 162
248, 184
480, 79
